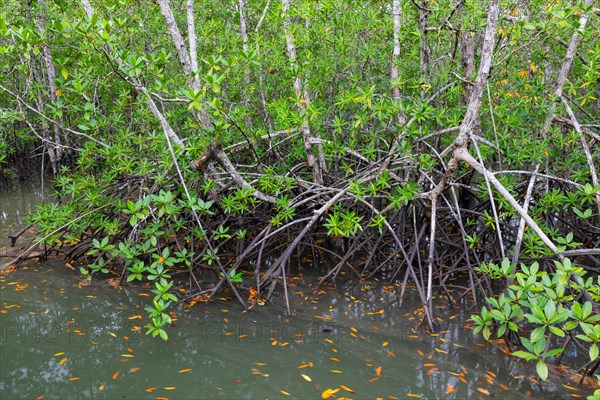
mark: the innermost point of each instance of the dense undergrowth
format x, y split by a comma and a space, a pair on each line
435, 137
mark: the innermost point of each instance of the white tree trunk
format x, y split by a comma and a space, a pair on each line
305, 101
394, 73
563, 74
188, 60
52, 146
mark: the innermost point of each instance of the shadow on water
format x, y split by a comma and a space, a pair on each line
66, 341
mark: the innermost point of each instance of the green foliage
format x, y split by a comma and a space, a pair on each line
539, 308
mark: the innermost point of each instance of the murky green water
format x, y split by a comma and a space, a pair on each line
65, 341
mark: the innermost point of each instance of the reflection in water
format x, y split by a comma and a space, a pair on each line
16, 201
65, 341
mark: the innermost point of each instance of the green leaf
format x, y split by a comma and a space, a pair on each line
593, 352
557, 331
163, 334
542, 369
570, 325
523, 354
537, 334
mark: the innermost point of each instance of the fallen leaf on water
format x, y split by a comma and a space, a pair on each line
257, 372
327, 393
378, 371
347, 389
61, 362
306, 377
185, 370
115, 375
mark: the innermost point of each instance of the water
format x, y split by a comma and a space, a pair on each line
60, 339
